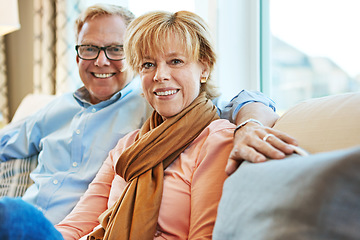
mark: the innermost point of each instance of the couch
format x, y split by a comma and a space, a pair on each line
314, 197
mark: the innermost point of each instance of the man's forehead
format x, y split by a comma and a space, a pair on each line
103, 31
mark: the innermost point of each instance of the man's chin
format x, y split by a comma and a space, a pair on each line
99, 97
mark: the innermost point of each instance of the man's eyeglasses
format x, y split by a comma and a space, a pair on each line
91, 52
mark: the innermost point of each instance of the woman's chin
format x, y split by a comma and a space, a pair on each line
167, 114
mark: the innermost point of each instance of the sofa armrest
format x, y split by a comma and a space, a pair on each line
15, 176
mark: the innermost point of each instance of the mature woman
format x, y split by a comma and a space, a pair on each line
164, 180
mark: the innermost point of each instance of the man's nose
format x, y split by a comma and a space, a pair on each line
102, 60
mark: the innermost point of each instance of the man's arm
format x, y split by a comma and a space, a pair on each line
13, 141
231, 109
249, 142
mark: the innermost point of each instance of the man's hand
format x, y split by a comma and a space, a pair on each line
252, 141
249, 145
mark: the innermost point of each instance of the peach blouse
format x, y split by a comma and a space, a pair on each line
192, 188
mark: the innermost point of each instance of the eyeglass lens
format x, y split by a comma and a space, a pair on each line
90, 52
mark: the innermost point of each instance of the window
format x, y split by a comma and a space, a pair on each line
291, 50
314, 49
139, 7
207, 9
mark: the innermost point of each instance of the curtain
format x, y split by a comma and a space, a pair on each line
4, 107
55, 69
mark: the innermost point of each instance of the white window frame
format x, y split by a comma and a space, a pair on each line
240, 46
265, 47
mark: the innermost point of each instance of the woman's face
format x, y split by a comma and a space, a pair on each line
171, 80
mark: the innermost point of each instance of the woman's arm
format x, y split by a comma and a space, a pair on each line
84, 217
207, 182
102, 193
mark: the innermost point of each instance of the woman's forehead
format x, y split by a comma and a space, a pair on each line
168, 45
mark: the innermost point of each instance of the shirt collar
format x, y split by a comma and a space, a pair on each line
82, 95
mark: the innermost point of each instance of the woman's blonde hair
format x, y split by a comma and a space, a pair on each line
102, 10
148, 35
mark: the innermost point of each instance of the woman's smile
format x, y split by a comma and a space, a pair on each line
166, 92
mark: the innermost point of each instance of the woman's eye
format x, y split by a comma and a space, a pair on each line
176, 61
147, 65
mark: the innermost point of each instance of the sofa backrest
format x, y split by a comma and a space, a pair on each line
324, 124
30, 104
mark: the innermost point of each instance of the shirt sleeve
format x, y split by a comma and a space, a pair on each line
207, 183
229, 110
20, 139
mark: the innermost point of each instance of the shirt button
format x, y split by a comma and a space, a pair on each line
55, 182
93, 110
77, 131
74, 164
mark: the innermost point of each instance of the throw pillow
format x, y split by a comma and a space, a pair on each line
313, 197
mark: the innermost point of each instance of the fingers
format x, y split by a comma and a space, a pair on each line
274, 147
246, 152
257, 144
284, 137
231, 166
238, 154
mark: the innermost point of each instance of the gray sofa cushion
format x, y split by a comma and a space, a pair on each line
313, 197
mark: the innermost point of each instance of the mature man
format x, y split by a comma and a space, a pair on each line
74, 133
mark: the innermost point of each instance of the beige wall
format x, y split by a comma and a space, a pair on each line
19, 57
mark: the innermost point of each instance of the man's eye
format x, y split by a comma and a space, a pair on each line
115, 49
90, 49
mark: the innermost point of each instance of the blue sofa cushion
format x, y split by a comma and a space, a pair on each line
20, 220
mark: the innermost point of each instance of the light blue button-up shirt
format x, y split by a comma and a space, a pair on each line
72, 139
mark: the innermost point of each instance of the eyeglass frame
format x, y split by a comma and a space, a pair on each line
99, 48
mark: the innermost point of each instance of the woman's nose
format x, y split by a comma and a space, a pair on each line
162, 72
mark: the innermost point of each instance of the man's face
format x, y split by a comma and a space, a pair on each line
102, 77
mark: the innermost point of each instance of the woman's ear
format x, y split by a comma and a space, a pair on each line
205, 72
